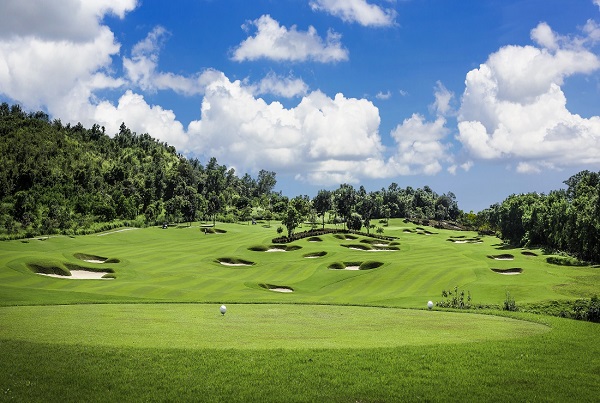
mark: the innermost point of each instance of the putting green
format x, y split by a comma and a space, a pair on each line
262, 326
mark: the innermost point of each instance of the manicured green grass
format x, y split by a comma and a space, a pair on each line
154, 333
265, 326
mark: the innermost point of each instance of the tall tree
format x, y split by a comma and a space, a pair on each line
344, 200
322, 203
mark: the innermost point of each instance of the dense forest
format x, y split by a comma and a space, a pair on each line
57, 178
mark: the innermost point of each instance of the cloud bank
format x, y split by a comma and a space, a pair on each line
513, 106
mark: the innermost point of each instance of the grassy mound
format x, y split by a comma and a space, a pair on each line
528, 253
49, 267
315, 254
346, 237
212, 230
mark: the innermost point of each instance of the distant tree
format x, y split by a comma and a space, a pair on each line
291, 219
354, 222
322, 203
265, 183
344, 200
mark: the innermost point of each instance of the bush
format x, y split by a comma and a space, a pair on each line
455, 299
564, 261
509, 303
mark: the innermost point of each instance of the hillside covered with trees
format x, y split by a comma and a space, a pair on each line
68, 179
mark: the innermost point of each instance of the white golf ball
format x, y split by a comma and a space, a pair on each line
223, 309
430, 304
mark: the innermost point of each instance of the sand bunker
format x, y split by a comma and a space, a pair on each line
81, 275
380, 249
508, 272
472, 240
277, 288
367, 265
91, 258
275, 250
234, 264
281, 289
505, 256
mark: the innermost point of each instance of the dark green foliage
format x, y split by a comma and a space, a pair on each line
73, 180
509, 303
564, 261
354, 222
564, 220
455, 299
370, 264
579, 309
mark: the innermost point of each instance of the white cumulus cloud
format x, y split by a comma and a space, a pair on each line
276, 42
287, 87
54, 56
420, 146
513, 106
358, 11
321, 137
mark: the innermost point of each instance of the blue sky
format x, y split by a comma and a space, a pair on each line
482, 98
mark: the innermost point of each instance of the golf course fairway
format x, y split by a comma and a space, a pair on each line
262, 326
333, 318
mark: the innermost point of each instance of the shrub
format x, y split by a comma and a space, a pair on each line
455, 299
564, 261
509, 303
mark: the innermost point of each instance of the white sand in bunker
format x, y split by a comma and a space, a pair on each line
276, 250
508, 273
234, 264
373, 250
281, 289
351, 268
80, 275
94, 260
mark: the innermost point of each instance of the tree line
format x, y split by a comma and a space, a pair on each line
565, 220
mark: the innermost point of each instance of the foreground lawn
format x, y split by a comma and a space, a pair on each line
265, 326
561, 365
306, 324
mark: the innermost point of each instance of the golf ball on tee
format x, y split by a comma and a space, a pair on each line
430, 304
